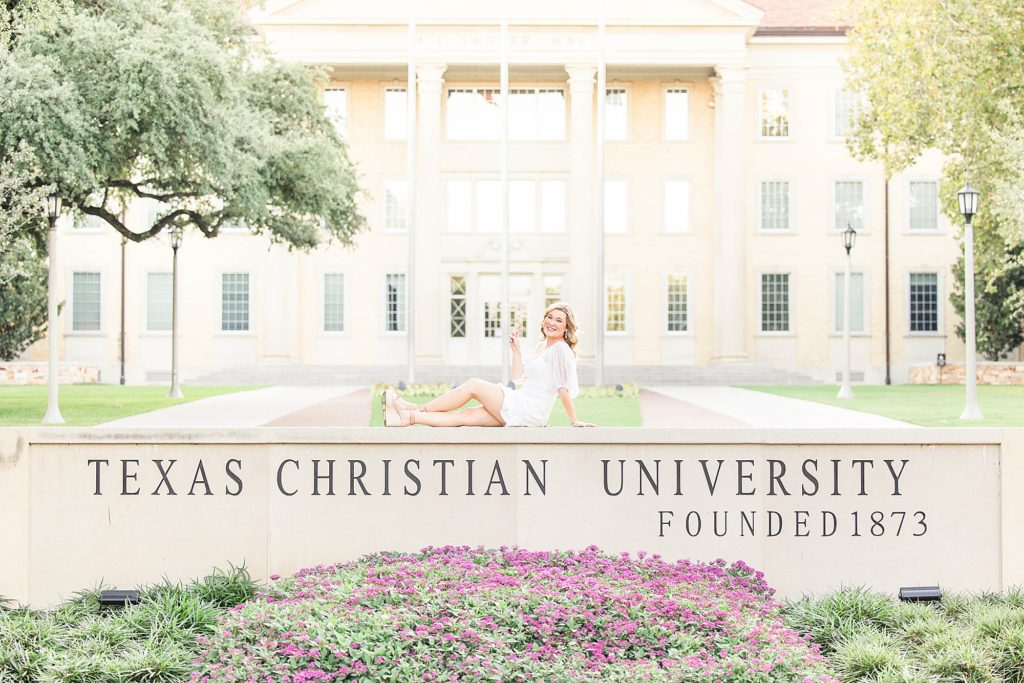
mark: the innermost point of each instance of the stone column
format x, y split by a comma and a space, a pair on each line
431, 317
579, 283
730, 266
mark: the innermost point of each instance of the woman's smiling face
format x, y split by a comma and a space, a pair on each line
554, 324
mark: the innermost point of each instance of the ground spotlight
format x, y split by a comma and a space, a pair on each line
920, 593
119, 598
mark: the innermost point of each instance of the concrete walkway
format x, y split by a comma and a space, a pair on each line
753, 409
349, 406
254, 408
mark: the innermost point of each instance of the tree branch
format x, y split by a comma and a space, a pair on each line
137, 189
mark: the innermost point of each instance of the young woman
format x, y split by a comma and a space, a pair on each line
548, 372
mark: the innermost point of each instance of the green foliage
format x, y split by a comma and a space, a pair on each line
23, 298
872, 637
999, 288
83, 642
173, 100
945, 76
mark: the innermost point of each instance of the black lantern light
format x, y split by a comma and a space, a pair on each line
849, 237
968, 197
53, 206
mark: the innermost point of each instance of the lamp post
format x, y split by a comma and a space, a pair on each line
53, 206
175, 392
849, 237
968, 197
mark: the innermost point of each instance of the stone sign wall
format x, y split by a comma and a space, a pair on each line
814, 509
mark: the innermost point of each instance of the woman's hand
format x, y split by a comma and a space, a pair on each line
513, 341
577, 423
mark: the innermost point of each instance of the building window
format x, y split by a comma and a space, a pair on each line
676, 313
924, 205
774, 205
336, 108
849, 204
394, 295
615, 114
533, 113
396, 205
476, 206
552, 206
615, 304
492, 318
856, 303
234, 302
522, 206
775, 302
552, 289
774, 104
460, 205
395, 113
334, 302
458, 306
86, 221
616, 209
844, 106
85, 293
677, 114
924, 302
677, 206
159, 301
488, 206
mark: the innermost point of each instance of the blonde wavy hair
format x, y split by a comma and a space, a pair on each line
570, 323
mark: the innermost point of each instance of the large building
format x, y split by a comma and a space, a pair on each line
726, 185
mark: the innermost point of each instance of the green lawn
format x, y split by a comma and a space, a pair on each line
925, 405
82, 405
605, 411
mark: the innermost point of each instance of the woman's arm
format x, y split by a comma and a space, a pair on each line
563, 394
517, 356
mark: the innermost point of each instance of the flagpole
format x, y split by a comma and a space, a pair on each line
410, 197
506, 312
602, 79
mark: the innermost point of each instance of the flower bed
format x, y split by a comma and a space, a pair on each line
462, 614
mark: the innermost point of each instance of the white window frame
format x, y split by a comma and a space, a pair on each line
687, 216
627, 289
939, 228
563, 279
791, 332
69, 326
686, 273
560, 86
629, 98
344, 303
88, 229
251, 332
834, 330
537, 181
760, 206
540, 181
665, 88
865, 193
384, 220
760, 137
940, 323
833, 110
384, 111
384, 302
146, 304
347, 87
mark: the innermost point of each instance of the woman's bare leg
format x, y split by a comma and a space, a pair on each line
470, 417
489, 394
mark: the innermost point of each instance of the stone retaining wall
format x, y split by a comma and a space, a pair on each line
987, 373
22, 372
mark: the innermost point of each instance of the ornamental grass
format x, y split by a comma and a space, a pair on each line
464, 614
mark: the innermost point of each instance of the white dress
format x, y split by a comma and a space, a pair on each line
544, 373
